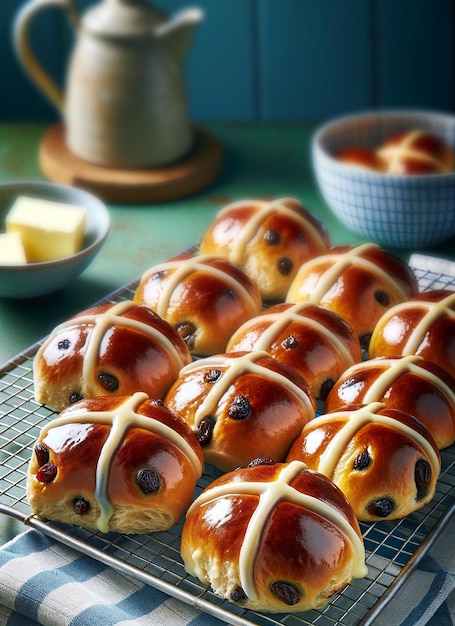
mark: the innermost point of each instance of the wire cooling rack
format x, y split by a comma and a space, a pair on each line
393, 548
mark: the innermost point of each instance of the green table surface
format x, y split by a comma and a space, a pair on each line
260, 160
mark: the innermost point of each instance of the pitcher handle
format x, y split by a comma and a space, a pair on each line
25, 54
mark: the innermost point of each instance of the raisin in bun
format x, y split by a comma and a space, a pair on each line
204, 297
273, 538
110, 349
358, 282
410, 383
269, 240
316, 342
416, 152
383, 459
425, 325
126, 464
242, 405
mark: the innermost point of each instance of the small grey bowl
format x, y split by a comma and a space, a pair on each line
37, 279
399, 211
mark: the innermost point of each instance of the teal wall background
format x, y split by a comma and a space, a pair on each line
276, 60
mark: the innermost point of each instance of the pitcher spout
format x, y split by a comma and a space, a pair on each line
177, 33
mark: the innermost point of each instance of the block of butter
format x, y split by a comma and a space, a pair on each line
49, 229
11, 249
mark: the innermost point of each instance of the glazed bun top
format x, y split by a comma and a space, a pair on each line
110, 349
268, 239
424, 325
383, 459
113, 450
410, 383
358, 282
354, 418
204, 297
416, 152
242, 405
272, 519
316, 342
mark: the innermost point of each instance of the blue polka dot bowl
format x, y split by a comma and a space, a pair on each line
394, 210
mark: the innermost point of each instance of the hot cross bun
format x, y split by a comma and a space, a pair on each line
316, 342
384, 460
204, 297
110, 349
358, 282
273, 537
269, 240
242, 405
410, 383
425, 325
122, 463
416, 152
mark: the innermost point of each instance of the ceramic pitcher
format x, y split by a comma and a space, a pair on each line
125, 102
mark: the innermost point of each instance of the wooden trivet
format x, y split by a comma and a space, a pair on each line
179, 179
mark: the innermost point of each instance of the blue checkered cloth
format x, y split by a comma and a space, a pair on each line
428, 596
45, 582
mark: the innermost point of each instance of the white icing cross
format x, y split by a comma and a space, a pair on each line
355, 421
233, 368
181, 269
121, 419
280, 320
339, 262
266, 209
393, 369
270, 494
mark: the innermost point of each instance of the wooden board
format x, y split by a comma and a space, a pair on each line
182, 178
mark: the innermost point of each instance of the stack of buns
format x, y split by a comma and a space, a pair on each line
223, 357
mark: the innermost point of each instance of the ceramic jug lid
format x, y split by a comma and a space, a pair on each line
122, 18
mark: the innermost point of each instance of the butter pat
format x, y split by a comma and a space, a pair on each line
49, 230
11, 249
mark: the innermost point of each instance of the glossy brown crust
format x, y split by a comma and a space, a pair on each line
126, 360
276, 414
276, 248
204, 308
420, 388
75, 449
437, 333
309, 342
377, 466
298, 547
356, 293
362, 157
424, 154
